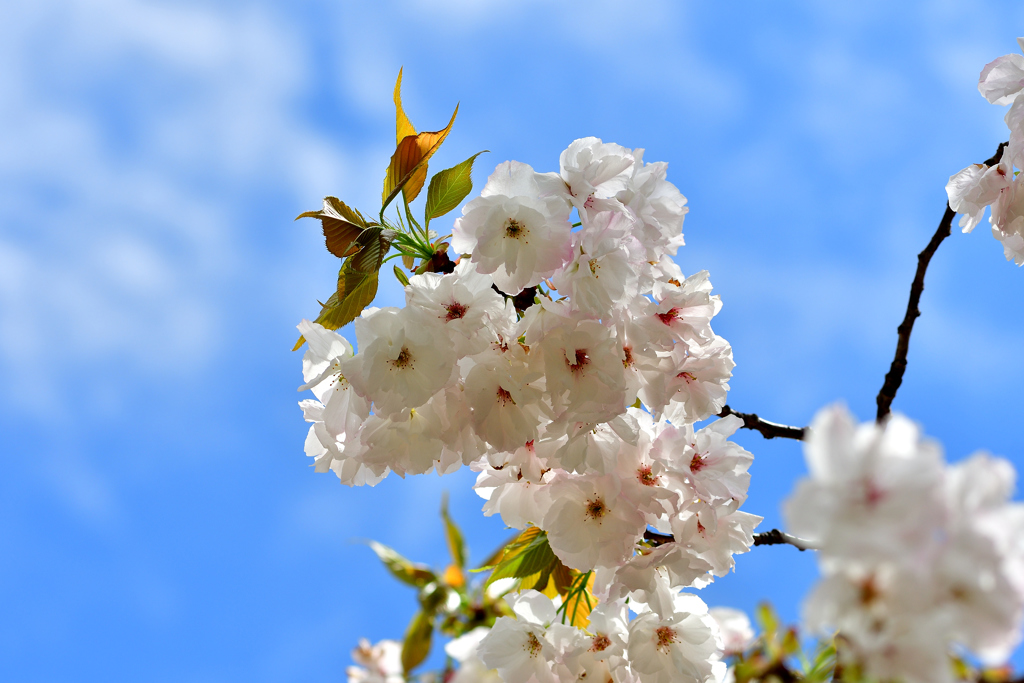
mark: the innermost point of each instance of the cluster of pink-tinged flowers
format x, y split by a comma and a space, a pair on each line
980, 185
916, 555
579, 414
577, 411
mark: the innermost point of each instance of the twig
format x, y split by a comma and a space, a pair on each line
776, 537
769, 430
894, 377
773, 537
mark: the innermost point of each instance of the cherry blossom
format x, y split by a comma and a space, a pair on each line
515, 231
577, 412
682, 646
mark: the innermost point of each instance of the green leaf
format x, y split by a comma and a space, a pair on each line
496, 556
417, 575
768, 621
416, 645
823, 666
528, 554
790, 643
401, 277
360, 290
357, 280
456, 544
449, 187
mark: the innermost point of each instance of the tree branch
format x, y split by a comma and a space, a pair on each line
772, 537
776, 537
769, 430
894, 378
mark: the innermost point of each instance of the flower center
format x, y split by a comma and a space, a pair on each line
645, 476
593, 268
455, 311
872, 494
600, 643
596, 508
664, 636
698, 463
688, 376
504, 398
532, 646
627, 359
668, 316
514, 228
869, 591
581, 361
404, 359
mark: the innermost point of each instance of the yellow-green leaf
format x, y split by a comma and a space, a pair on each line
768, 621
580, 601
790, 642
456, 543
416, 645
496, 556
448, 188
402, 277
360, 290
528, 554
403, 127
402, 569
327, 310
408, 168
540, 582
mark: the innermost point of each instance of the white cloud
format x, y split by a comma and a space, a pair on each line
132, 146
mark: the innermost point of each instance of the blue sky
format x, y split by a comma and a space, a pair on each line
158, 520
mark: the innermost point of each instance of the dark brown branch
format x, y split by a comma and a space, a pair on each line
772, 537
769, 430
894, 378
776, 537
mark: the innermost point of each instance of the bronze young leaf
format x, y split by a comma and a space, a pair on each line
408, 168
341, 226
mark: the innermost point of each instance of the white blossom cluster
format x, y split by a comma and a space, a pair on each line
916, 555
380, 663
979, 185
662, 649
545, 406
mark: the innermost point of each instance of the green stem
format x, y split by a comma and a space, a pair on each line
413, 221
